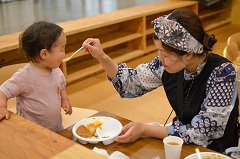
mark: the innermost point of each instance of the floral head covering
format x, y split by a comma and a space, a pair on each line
175, 35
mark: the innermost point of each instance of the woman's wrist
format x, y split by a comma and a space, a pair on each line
154, 131
103, 57
145, 129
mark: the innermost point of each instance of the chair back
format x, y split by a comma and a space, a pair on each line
5, 73
234, 38
231, 52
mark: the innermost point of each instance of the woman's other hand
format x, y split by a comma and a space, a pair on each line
131, 132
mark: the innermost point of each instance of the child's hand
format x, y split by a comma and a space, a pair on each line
4, 113
67, 107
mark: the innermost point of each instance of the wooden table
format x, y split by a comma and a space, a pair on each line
143, 148
23, 139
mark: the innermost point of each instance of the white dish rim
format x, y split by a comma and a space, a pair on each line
206, 154
93, 140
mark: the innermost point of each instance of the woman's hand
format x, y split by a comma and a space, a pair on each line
93, 47
132, 132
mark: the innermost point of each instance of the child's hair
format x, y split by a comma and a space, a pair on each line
40, 35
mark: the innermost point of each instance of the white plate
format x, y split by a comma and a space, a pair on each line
110, 128
206, 154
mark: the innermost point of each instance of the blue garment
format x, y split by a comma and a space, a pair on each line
211, 121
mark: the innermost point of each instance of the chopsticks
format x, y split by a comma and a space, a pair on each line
69, 58
198, 153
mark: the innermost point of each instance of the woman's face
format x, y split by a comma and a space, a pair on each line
171, 62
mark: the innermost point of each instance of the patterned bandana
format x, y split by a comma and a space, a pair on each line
175, 35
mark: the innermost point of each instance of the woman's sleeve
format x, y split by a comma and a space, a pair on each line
211, 121
131, 83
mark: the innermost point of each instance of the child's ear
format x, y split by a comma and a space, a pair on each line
43, 53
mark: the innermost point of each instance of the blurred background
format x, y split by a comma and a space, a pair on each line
17, 15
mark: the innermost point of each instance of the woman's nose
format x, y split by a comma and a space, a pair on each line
160, 58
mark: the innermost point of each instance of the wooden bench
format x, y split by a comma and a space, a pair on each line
125, 34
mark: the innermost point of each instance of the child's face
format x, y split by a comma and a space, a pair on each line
57, 52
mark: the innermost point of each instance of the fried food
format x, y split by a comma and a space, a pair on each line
83, 131
92, 127
213, 157
89, 130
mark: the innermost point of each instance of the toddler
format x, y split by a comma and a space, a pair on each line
39, 87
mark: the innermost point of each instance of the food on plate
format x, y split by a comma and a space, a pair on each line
89, 130
208, 155
97, 129
213, 157
83, 131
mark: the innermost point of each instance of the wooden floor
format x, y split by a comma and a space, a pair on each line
98, 93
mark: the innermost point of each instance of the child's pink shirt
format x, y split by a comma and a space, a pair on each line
38, 96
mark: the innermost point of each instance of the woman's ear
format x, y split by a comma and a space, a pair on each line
43, 54
188, 56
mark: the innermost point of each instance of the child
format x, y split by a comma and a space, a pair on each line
39, 85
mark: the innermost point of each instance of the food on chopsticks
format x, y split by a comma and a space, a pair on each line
89, 130
213, 157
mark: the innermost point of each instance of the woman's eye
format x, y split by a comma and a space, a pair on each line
164, 56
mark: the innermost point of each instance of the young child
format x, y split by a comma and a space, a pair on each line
39, 85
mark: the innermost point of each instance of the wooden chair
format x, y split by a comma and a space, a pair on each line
232, 52
5, 73
234, 38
